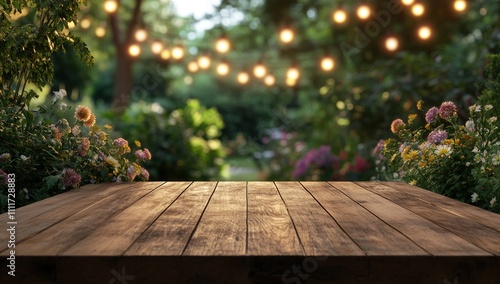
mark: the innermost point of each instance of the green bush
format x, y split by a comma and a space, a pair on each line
185, 141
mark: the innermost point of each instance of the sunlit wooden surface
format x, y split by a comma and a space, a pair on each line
253, 232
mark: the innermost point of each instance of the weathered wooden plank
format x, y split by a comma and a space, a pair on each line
121, 230
68, 232
370, 233
270, 229
222, 229
461, 209
170, 233
433, 238
39, 222
472, 231
318, 231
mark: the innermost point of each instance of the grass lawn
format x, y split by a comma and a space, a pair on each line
242, 168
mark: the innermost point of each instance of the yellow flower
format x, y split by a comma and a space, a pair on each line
413, 182
91, 121
420, 105
112, 161
411, 118
82, 113
443, 150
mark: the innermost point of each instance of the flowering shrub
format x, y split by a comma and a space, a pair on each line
321, 164
459, 161
50, 155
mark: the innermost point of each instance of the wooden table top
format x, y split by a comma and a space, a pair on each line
345, 220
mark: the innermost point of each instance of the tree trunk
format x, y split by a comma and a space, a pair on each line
123, 81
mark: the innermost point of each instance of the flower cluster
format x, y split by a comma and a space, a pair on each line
52, 154
444, 156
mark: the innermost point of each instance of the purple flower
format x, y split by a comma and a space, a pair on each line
447, 110
70, 178
316, 158
431, 114
4, 176
437, 136
379, 147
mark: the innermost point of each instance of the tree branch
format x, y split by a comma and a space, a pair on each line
115, 29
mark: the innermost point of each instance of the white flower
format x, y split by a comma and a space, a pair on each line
488, 107
478, 108
470, 126
443, 150
24, 158
474, 197
467, 164
493, 201
492, 119
472, 108
63, 106
496, 159
59, 95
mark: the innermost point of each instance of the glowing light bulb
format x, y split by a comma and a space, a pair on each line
424, 32
222, 68
100, 32
71, 25
460, 5
193, 67
177, 52
243, 78
290, 82
134, 50
363, 12
339, 16
204, 62
327, 63
165, 54
391, 43
286, 35
418, 9
85, 24
260, 70
293, 73
407, 2
110, 6
141, 35
156, 47
222, 45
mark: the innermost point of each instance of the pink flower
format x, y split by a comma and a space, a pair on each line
437, 136
145, 173
84, 147
120, 142
70, 178
57, 133
397, 125
131, 173
447, 110
143, 154
431, 114
4, 176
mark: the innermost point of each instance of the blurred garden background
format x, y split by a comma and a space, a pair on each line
235, 89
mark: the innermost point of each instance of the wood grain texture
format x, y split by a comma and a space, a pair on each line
318, 231
429, 236
472, 231
270, 229
222, 229
373, 235
171, 232
121, 230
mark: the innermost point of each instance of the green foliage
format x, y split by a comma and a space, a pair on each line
459, 161
185, 141
491, 94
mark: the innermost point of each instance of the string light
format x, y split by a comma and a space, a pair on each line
222, 68
177, 52
327, 63
460, 5
193, 67
243, 77
100, 32
260, 70
141, 35
363, 12
424, 32
269, 80
293, 73
286, 35
418, 9
71, 25
407, 2
156, 47
110, 6
391, 43
85, 23
134, 50
339, 16
204, 62
290, 82
222, 45
165, 54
